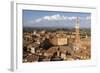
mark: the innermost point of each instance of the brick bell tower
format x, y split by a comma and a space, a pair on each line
77, 36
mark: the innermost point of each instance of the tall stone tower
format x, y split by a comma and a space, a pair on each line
77, 37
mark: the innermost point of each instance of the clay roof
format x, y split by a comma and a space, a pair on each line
32, 57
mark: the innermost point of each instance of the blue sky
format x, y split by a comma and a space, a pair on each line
34, 18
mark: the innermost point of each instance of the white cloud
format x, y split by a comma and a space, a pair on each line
46, 17
38, 20
72, 18
52, 18
58, 17
88, 17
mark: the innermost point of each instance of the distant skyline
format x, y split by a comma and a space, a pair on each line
55, 19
